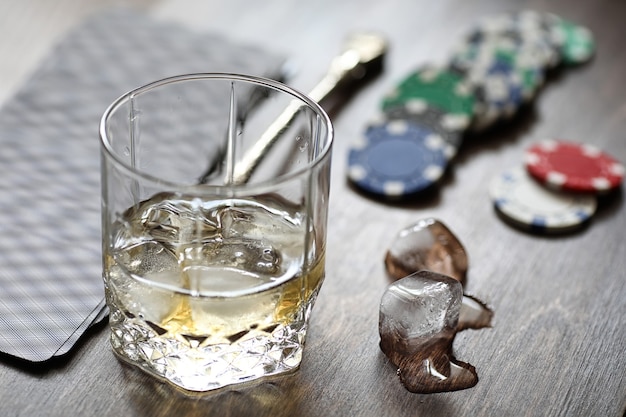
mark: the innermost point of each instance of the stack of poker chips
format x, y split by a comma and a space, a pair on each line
557, 189
497, 68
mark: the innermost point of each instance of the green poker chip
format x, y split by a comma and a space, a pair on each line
577, 43
436, 87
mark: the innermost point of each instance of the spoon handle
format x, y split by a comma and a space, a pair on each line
360, 61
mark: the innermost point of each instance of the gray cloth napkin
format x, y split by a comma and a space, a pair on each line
51, 289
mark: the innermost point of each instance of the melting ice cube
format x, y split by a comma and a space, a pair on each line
430, 245
154, 263
417, 310
173, 220
417, 325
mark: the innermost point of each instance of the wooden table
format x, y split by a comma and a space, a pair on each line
558, 341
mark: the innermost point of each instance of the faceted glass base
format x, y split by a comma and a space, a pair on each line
193, 366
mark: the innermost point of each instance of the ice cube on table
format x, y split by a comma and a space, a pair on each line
417, 324
418, 309
429, 245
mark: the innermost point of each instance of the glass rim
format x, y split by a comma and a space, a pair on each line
106, 146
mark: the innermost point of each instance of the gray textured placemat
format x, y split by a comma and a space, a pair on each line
50, 246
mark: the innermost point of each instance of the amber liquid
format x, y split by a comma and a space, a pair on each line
206, 294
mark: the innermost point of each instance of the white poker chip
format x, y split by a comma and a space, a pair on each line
525, 203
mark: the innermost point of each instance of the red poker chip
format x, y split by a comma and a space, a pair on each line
572, 166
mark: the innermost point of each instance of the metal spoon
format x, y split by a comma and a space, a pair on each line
361, 60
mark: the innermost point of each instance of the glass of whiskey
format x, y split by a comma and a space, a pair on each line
214, 209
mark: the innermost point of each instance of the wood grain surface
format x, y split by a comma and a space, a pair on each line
558, 341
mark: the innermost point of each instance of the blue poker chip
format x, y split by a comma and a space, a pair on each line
397, 158
498, 91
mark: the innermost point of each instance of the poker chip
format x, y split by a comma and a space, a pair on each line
435, 87
528, 28
504, 66
523, 56
396, 159
498, 90
573, 43
526, 204
571, 166
576, 43
449, 127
